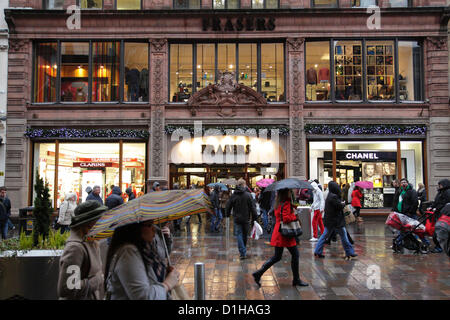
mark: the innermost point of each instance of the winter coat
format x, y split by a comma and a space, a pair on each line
422, 195
243, 206
115, 199
130, 194
130, 279
350, 192
288, 212
334, 215
66, 211
92, 196
319, 201
214, 198
5, 209
266, 200
356, 198
442, 197
410, 201
224, 197
86, 256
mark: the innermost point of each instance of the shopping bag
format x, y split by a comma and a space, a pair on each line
257, 231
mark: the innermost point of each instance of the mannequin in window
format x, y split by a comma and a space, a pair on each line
311, 82
324, 74
133, 83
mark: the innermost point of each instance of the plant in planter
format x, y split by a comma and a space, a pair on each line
42, 211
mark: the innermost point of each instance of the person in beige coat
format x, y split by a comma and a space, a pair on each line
67, 211
80, 266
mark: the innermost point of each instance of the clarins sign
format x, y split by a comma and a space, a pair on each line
238, 24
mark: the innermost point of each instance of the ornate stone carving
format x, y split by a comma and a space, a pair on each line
158, 45
157, 138
295, 44
296, 144
16, 45
4, 47
157, 80
437, 43
295, 79
227, 95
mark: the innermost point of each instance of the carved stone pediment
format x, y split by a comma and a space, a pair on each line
227, 95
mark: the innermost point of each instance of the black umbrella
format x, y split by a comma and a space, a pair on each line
289, 183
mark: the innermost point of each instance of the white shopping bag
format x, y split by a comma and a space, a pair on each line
257, 231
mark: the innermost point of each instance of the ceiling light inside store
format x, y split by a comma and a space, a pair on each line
199, 66
325, 57
231, 66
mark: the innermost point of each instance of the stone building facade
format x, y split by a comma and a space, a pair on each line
323, 120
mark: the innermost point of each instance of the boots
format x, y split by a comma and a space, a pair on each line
258, 274
300, 283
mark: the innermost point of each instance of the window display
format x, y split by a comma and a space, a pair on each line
105, 77
206, 65
318, 71
180, 72
89, 164
136, 72
348, 70
45, 72
272, 71
248, 66
380, 70
74, 71
409, 53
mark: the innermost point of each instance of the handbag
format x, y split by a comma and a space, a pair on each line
348, 215
290, 230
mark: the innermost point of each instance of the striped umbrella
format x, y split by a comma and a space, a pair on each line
158, 206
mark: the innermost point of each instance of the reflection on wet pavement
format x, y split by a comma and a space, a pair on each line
402, 276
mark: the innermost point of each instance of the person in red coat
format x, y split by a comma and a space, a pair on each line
285, 208
356, 202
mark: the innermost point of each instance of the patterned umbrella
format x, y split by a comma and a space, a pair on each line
364, 184
221, 185
158, 206
263, 183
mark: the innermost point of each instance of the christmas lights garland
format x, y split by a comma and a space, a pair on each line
376, 129
70, 133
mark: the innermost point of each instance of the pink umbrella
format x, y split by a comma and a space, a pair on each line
364, 184
263, 183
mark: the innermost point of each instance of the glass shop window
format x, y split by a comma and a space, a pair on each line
409, 63
136, 72
91, 4
128, 4
325, 3
180, 72
74, 71
45, 72
105, 73
380, 70
348, 70
318, 71
272, 71
248, 65
187, 4
206, 61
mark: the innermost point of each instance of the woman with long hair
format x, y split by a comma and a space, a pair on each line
135, 267
284, 209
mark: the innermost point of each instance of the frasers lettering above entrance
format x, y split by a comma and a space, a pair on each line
227, 150
238, 24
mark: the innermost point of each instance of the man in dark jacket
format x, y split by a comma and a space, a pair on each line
115, 199
406, 200
130, 194
244, 210
334, 220
441, 199
265, 204
5, 212
217, 216
95, 195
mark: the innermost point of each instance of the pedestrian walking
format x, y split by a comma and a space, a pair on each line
318, 207
115, 199
82, 257
356, 203
5, 213
422, 196
284, 210
216, 218
67, 211
224, 197
244, 211
441, 199
265, 204
95, 195
406, 200
334, 220
136, 268
130, 194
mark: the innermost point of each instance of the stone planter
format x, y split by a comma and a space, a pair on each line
30, 275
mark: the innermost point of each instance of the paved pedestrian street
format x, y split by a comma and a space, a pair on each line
402, 276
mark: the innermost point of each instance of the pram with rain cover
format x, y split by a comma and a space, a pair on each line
410, 232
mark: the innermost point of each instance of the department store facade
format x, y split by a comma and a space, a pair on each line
195, 92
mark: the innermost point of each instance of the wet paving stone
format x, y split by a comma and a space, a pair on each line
402, 276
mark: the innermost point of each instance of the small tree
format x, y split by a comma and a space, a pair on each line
42, 210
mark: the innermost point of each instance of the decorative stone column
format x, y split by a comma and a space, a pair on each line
16, 162
436, 58
157, 164
296, 97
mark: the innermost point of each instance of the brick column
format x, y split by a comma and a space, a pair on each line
436, 59
159, 50
16, 162
296, 97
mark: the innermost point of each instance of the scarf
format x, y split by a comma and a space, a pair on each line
400, 199
151, 258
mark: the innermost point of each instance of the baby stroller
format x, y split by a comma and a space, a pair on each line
410, 232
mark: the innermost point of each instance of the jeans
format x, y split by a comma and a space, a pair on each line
265, 219
10, 224
216, 219
345, 242
4, 228
241, 232
277, 257
63, 228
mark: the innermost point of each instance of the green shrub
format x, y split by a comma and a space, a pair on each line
54, 241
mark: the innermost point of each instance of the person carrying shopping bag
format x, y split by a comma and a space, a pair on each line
334, 220
317, 207
67, 211
286, 211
